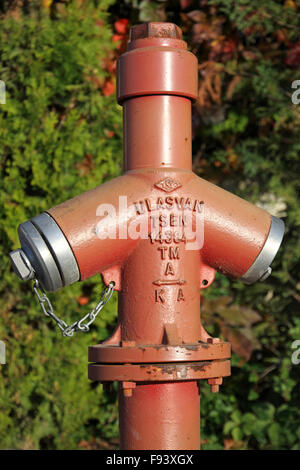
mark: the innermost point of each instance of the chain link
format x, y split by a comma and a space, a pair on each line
79, 325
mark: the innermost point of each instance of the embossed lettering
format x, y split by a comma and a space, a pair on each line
180, 295
159, 295
174, 252
163, 250
169, 270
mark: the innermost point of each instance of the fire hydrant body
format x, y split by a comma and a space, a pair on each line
159, 233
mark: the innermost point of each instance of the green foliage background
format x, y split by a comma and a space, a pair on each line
60, 135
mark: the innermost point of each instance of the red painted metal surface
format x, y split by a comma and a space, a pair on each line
159, 353
159, 372
160, 349
235, 230
160, 416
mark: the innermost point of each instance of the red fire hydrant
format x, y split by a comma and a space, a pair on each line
159, 233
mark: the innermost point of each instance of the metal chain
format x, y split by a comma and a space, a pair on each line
66, 330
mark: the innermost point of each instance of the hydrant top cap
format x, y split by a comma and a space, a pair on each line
155, 30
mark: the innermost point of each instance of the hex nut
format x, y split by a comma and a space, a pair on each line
127, 388
21, 265
215, 381
128, 344
155, 30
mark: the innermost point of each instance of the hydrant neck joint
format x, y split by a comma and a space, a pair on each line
157, 70
157, 42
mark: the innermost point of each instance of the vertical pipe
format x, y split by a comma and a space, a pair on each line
157, 79
157, 132
161, 416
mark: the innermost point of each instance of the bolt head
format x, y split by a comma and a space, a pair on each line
126, 385
213, 340
128, 344
155, 30
21, 265
127, 388
215, 381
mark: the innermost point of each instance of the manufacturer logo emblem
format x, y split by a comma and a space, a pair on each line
168, 185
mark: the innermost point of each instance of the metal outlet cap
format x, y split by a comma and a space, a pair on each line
59, 247
45, 253
260, 269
